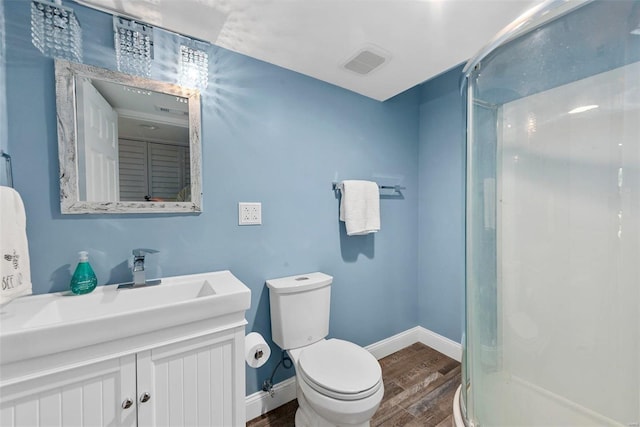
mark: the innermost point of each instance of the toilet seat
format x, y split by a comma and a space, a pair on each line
340, 369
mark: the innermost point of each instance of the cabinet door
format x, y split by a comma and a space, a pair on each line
90, 395
198, 382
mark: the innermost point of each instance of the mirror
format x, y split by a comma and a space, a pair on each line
126, 144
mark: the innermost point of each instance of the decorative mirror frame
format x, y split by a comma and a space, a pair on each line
66, 73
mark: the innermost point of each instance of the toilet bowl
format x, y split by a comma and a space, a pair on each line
338, 382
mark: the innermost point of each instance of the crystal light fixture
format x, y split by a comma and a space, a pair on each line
55, 31
194, 67
134, 46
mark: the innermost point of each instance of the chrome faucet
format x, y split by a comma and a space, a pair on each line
138, 267
139, 278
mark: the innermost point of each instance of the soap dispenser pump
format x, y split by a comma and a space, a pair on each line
84, 280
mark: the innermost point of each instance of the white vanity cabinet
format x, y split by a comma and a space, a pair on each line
87, 395
167, 355
193, 382
199, 382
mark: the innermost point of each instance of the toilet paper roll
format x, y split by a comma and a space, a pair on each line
256, 350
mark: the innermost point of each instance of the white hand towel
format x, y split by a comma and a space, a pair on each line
360, 207
15, 273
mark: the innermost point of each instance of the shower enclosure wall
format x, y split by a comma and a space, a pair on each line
553, 224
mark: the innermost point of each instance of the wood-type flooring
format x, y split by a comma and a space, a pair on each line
419, 385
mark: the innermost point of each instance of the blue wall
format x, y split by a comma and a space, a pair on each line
269, 135
3, 98
441, 241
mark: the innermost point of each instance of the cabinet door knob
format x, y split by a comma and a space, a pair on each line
126, 404
144, 397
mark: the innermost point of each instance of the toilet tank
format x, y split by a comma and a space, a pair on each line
299, 309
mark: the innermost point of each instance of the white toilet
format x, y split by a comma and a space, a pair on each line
338, 383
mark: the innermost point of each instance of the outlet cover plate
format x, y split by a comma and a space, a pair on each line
249, 213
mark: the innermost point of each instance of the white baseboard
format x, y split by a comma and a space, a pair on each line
437, 342
404, 339
260, 402
394, 343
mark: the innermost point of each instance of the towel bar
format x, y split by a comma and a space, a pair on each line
9, 170
397, 188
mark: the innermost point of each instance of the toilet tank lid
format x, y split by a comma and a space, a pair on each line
299, 283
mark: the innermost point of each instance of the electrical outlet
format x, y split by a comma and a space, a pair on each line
249, 213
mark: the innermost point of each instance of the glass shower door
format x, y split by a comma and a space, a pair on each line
553, 224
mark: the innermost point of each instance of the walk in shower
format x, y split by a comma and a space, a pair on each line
552, 330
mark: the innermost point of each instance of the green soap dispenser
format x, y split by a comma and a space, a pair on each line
84, 280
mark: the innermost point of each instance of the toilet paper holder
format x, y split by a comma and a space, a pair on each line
257, 351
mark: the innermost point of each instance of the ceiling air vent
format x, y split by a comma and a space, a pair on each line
174, 111
365, 61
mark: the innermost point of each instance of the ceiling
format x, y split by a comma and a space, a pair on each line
146, 115
418, 39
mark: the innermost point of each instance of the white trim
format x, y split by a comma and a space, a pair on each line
442, 344
181, 121
394, 343
260, 402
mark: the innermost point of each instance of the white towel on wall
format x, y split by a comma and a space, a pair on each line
360, 207
15, 273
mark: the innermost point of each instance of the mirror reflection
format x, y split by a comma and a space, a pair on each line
126, 143
133, 144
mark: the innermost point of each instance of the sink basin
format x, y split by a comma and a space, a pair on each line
104, 301
34, 326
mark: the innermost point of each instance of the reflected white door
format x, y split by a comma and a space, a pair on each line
97, 145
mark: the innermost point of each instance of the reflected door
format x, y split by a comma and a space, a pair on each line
98, 152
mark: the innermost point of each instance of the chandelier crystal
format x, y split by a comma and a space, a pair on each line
134, 46
194, 67
55, 31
